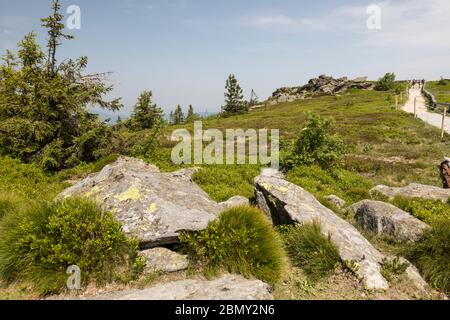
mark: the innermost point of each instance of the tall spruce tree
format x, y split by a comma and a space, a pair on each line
146, 114
44, 104
191, 116
178, 116
234, 98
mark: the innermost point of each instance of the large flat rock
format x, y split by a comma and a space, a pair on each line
152, 206
286, 202
414, 190
386, 219
228, 287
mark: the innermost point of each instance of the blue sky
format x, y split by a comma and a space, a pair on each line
183, 50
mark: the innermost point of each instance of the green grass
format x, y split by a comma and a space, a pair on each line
440, 92
345, 184
27, 181
242, 241
425, 210
431, 255
226, 181
38, 245
8, 204
393, 268
310, 250
384, 145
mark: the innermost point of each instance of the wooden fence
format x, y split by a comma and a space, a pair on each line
435, 104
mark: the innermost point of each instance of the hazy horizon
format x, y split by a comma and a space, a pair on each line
183, 50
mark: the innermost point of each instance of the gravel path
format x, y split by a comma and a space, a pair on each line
432, 118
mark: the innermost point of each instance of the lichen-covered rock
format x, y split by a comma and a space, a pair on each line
234, 202
228, 287
414, 190
164, 260
150, 205
386, 219
286, 202
335, 200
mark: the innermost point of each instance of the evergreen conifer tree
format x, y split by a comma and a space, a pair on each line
234, 98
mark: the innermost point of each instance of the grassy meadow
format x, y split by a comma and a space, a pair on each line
440, 90
383, 145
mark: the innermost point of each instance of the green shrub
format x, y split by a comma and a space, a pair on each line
314, 145
387, 82
311, 251
431, 255
425, 210
242, 241
39, 244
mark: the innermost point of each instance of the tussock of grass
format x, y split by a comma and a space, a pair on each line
242, 241
7, 204
431, 255
395, 267
37, 245
310, 250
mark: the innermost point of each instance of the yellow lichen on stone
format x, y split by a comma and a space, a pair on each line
131, 194
152, 208
283, 189
266, 186
91, 192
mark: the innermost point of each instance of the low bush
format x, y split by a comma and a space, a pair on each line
311, 251
39, 244
425, 210
387, 82
242, 241
431, 255
314, 145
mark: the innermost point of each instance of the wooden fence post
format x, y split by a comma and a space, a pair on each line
444, 113
415, 107
396, 102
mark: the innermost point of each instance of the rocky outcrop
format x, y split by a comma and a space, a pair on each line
286, 202
150, 205
414, 190
234, 202
228, 287
336, 201
323, 85
386, 219
164, 260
